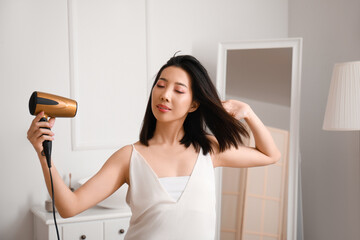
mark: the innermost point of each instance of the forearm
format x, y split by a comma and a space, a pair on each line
65, 199
263, 140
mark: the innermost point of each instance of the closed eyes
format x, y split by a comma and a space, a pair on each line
162, 86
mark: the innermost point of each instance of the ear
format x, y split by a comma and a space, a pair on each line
194, 106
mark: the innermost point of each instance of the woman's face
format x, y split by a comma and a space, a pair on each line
172, 97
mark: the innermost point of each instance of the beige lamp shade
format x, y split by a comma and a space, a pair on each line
343, 104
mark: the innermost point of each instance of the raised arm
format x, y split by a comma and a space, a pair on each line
265, 151
110, 177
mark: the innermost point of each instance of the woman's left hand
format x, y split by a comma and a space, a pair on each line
265, 151
237, 109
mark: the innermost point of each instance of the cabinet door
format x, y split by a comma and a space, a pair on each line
83, 230
116, 229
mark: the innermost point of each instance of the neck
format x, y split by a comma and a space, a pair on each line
168, 133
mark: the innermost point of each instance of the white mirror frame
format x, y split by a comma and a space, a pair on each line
294, 151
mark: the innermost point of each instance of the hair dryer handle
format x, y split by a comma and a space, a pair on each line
47, 146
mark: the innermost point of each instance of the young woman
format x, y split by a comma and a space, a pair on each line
187, 132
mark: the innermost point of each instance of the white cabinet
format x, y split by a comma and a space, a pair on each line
83, 230
94, 224
115, 228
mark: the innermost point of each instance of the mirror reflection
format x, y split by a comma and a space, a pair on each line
254, 201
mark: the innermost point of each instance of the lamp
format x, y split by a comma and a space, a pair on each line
343, 104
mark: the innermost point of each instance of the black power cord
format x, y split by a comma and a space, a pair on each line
53, 204
47, 147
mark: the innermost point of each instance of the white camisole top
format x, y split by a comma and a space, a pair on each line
174, 185
158, 216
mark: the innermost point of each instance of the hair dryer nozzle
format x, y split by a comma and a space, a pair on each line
52, 105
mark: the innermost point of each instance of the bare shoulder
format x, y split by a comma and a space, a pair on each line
122, 156
119, 161
123, 153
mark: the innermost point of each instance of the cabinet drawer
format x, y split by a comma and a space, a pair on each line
116, 229
83, 230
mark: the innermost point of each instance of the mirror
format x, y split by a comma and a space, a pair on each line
261, 203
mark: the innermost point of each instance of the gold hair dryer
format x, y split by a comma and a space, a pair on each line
53, 106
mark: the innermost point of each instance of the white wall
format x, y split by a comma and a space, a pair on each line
34, 55
330, 160
196, 27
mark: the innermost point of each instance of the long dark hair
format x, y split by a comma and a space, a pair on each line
211, 114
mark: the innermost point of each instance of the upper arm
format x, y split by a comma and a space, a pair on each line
113, 174
241, 157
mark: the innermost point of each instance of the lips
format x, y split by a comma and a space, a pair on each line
163, 108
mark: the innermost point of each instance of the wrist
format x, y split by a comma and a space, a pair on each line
42, 158
248, 114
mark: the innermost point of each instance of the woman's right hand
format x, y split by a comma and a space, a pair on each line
38, 133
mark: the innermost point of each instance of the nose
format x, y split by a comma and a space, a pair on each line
165, 96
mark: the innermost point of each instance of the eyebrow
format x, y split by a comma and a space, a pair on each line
178, 83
